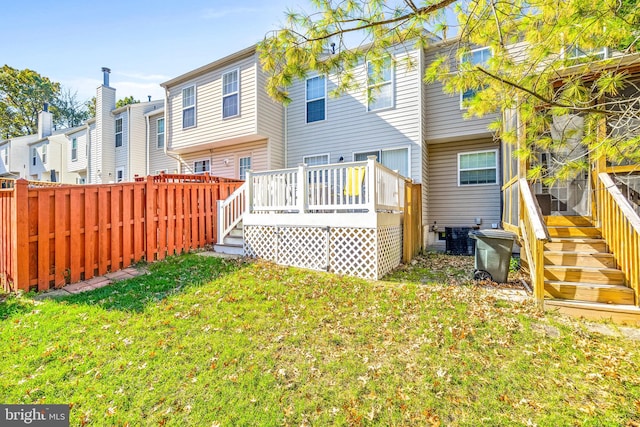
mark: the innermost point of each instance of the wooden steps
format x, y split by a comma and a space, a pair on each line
617, 313
581, 276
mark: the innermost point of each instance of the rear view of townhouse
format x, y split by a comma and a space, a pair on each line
220, 120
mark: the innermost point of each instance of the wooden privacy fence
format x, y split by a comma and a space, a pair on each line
412, 224
57, 235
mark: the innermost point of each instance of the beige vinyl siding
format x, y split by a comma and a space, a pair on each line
158, 160
210, 126
229, 169
81, 163
138, 137
94, 155
349, 128
105, 136
444, 118
270, 119
451, 205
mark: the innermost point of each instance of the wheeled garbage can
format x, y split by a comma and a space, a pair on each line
493, 254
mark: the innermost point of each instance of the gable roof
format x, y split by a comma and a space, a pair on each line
211, 66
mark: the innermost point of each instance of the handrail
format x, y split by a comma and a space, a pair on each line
620, 226
230, 211
535, 234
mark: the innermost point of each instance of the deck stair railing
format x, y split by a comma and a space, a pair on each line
364, 186
230, 211
534, 235
620, 227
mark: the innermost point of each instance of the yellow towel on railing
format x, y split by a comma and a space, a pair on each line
355, 177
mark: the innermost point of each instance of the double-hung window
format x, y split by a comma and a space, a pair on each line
34, 156
119, 132
230, 94
478, 167
119, 174
160, 133
6, 156
74, 149
188, 107
201, 166
380, 85
474, 57
316, 94
244, 166
44, 153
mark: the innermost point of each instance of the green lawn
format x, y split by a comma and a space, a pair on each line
201, 342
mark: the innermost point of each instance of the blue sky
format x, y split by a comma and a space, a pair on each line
143, 42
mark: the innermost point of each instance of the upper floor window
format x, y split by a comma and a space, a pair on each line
188, 107
380, 85
474, 57
576, 52
230, 94
316, 94
160, 133
479, 167
34, 156
119, 132
6, 155
74, 149
201, 166
44, 153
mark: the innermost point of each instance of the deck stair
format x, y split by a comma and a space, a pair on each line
581, 276
233, 244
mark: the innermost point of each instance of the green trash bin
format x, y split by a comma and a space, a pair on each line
493, 254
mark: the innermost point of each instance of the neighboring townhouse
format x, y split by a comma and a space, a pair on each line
158, 159
220, 120
48, 153
14, 157
78, 149
462, 162
118, 150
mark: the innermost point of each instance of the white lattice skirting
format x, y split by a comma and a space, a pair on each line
362, 252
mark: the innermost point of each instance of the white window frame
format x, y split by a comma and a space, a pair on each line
568, 53
373, 86
34, 156
158, 133
193, 105
44, 154
305, 159
307, 101
227, 95
119, 119
206, 162
381, 150
119, 170
458, 170
6, 156
74, 149
462, 99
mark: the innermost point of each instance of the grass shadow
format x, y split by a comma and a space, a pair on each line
173, 276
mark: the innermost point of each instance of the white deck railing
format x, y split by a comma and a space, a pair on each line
365, 186
230, 211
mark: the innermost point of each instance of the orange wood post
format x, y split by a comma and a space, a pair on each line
77, 224
43, 238
104, 235
20, 237
171, 219
60, 242
127, 223
139, 223
150, 226
162, 220
179, 235
116, 243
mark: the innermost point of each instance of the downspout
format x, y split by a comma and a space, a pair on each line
166, 130
286, 138
128, 143
147, 148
